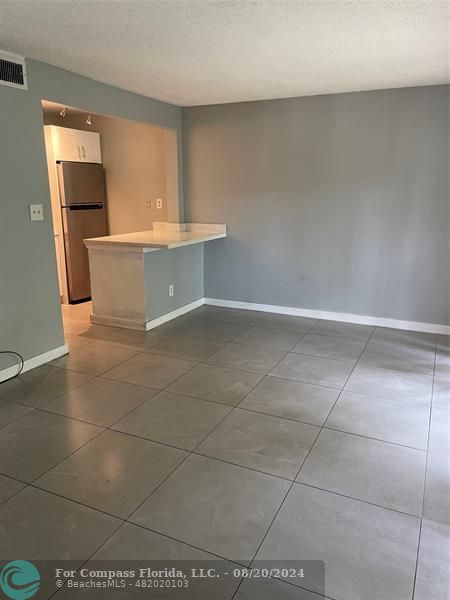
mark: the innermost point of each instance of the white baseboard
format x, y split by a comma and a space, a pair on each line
118, 322
174, 314
333, 316
36, 361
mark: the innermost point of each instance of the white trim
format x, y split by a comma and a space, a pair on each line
118, 322
333, 316
174, 314
36, 361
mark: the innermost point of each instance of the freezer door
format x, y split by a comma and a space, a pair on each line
81, 183
80, 223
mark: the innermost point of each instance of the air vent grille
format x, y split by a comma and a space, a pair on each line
12, 70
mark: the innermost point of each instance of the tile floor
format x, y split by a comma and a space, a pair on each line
241, 435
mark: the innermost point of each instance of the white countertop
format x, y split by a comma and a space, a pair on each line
156, 239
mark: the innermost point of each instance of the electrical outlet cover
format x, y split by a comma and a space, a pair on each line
36, 212
159, 203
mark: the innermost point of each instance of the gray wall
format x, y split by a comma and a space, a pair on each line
30, 320
337, 203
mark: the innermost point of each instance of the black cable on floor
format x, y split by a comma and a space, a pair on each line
21, 363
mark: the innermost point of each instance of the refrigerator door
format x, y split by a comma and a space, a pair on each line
81, 183
80, 223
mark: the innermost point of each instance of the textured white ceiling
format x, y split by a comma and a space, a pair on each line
191, 52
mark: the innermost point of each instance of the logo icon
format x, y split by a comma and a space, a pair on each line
19, 580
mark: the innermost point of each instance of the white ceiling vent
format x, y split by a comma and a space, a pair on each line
13, 70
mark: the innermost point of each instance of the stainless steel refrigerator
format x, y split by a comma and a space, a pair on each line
83, 208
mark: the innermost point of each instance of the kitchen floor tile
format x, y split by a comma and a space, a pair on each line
9, 487
414, 339
265, 443
395, 356
388, 383
219, 507
226, 386
250, 358
291, 400
10, 412
97, 332
313, 369
94, 358
172, 419
433, 567
113, 473
349, 331
37, 441
137, 340
216, 329
386, 420
39, 386
188, 347
440, 431
150, 370
437, 489
441, 393
100, 401
358, 542
330, 347
271, 338
384, 474
37, 525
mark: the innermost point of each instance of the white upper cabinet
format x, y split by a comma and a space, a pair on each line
76, 145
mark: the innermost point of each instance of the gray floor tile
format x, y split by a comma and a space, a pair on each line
273, 589
349, 331
443, 342
384, 474
216, 329
97, 332
388, 383
313, 369
271, 338
330, 347
387, 420
433, 567
298, 325
74, 342
94, 359
437, 489
113, 473
441, 393
37, 441
227, 386
234, 315
219, 507
188, 347
10, 412
100, 401
150, 370
358, 542
38, 525
265, 443
138, 340
442, 369
415, 339
395, 356
440, 431
9, 487
172, 419
39, 386
291, 400
251, 358
132, 544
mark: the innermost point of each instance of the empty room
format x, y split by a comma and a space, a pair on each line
225, 299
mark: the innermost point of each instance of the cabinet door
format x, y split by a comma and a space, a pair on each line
65, 144
89, 142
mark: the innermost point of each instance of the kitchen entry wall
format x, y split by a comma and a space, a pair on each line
335, 203
134, 157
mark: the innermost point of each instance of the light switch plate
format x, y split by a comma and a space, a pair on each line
148, 203
36, 212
